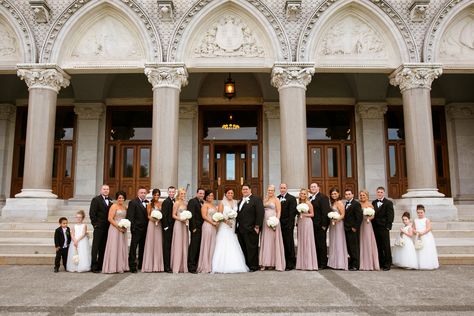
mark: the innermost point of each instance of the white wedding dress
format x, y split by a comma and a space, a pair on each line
228, 256
83, 251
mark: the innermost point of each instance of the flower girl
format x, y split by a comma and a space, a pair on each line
404, 254
79, 255
424, 241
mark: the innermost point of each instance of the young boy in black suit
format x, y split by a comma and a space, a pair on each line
62, 239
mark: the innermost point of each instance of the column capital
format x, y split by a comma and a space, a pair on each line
292, 75
89, 111
415, 75
44, 76
172, 75
188, 110
271, 110
371, 110
460, 111
7, 111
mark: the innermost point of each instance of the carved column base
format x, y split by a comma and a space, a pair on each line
437, 209
30, 208
36, 193
422, 193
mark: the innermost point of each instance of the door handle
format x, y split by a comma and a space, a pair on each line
218, 180
241, 180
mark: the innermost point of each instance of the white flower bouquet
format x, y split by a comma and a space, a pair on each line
156, 215
75, 258
302, 208
334, 216
273, 222
231, 214
399, 242
124, 223
218, 217
185, 215
369, 212
418, 242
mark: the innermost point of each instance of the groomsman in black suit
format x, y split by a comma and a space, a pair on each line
382, 224
138, 216
352, 221
195, 225
167, 223
99, 215
321, 209
249, 222
287, 222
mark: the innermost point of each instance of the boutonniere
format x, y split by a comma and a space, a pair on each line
282, 199
246, 200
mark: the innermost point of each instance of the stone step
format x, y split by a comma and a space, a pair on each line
465, 212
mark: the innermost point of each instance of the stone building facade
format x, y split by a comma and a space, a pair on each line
346, 93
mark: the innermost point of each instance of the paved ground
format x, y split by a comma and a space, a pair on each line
35, 290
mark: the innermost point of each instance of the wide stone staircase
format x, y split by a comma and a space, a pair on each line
31, 242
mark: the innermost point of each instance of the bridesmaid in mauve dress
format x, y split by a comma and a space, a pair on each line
209, 231
180, 243
116, 250
306, 258
337, 258
153, 254
272, 251
369, 255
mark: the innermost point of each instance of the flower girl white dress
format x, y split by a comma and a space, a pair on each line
83, 251
427, 255
404, 253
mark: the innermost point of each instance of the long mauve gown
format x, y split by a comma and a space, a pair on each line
153, 254
306, 258
337, 258
208, 244
116, 250
272, 251
369, 256
179, 246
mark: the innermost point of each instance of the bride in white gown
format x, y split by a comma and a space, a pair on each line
228, 256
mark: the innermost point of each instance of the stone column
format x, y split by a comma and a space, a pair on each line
371, 145
415, 81
7, 131
291, 80
188, 146
88, 149
36, 198
272, 145
460, 122
167, 80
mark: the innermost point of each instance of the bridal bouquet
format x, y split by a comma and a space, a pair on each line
185, 215
156, 215
418, 242
302, 208
368, 211
334, 216
399, 242
273, 222
231, 214
218, 217
124, 223
75, 258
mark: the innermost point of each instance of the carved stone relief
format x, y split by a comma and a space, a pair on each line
458, 41
107, 39
352, 37
229, 37
8, 42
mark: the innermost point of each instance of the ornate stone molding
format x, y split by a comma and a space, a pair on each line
434, 28
76, 5
383, 5
371, 110
166, 10
7, 111
271, 18
89, 111
292, 9
43, 76
23, 29
40, 10
188, 110
412, 76
292, 74
173, 75
272, 111
418, 10
460, 111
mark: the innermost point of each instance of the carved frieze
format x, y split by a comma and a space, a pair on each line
458, 41
41, 10
292, 74
460, 111
188, 111
293, 9
371, 110
8, 42
229, 37
272, 111
167, 75
44, 76
88, 111
412, 76
165, 10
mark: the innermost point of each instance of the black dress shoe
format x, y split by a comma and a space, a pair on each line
322, 267
56, 270
386, 268
193, 272
133, 271
353, 269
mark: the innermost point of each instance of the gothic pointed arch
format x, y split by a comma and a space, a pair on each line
216, 34
450, 37
16, 39
356, 34
102, 34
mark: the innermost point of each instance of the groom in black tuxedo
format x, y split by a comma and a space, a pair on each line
99, 215
287, 222
138, 216
167, 224
195, 225
382, 224
249, 221
321, 207
352, 221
